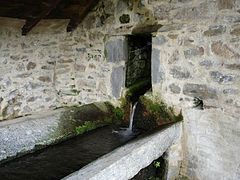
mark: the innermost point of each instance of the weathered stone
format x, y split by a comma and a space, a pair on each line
48, 67
179, 73
215, 30
116, 50
24, 75
174, 57
202, 11
129, 157
235, 31
79, 68
190, 53
19, 136
146, 29
65, 61
199, 90
206, 63
227, 18
31, 65
158, 73
221, 78
184, 1
20, 67
125, 18
45, 79
31, 99
232, 66
223, 50
32, 85
170, 27
231, 91
225, 4
161, 12
122, 6
159, 40
174, 88
92, 66
15, 57
117, 81
172, 36
86, 83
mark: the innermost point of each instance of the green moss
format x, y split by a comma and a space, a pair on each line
87, 126
138, 89
118, 114
160, 110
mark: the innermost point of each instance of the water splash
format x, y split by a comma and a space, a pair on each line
130, 127
128, 132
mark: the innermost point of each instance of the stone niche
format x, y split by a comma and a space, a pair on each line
138, 65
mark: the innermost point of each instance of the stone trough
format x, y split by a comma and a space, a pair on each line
126, 161
29, 133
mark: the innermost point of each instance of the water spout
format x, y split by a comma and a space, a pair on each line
130, 127
128, 132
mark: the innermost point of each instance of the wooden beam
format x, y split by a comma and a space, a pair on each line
31, 22
78, 17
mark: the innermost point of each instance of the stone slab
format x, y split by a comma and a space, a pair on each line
126, 161
25, 134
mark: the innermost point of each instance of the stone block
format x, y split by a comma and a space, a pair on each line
206, 63
46, 79
179, 73
116, 50
215, 30
235, 31
117, 81
174, 88
190, 53
201, 91
174, 57
159, 40
158, 73
223, 50
225, 4
231, 91
31, 65
203, 11
232, 66
222, 78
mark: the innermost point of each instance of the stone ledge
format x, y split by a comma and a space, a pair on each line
22, 135
126, 161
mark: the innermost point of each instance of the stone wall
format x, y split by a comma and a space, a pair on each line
195, 54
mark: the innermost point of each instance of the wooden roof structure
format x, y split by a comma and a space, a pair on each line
35, 10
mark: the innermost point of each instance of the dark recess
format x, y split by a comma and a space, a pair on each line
138, 75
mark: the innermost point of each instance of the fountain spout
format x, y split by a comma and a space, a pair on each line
130, 127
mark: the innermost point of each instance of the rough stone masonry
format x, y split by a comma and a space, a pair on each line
195, 53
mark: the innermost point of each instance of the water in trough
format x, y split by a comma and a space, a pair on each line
58, 161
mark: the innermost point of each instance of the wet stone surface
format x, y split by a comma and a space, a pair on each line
60, 160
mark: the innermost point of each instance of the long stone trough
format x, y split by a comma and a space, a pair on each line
126, 161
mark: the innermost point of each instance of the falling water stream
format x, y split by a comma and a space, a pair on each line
130, 128
128, 133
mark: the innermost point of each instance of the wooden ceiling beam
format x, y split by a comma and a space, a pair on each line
31, 22
80, 14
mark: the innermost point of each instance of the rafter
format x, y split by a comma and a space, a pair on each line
78, 17
31, 22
